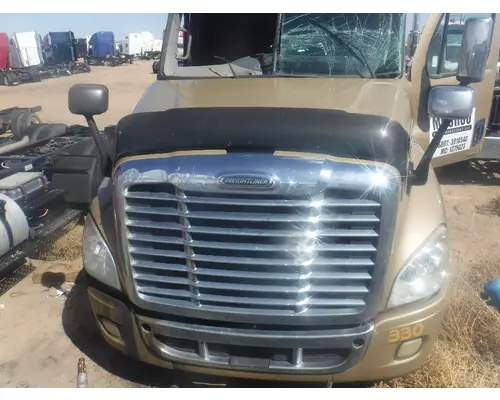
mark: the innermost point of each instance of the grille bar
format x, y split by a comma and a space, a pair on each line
362, 203
243, 216
261, 275
250, 310
340, 302
356, 262
362, 248
145, 278
295, 233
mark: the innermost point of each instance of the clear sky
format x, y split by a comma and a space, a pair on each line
86, 24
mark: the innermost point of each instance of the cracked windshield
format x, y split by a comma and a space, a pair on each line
355, 45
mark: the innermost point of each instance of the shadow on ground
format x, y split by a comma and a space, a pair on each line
79, 325
483, 173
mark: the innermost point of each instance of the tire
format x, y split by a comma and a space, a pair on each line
15, 124
28, 119
5, 79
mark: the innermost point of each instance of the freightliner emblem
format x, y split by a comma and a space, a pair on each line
249, 181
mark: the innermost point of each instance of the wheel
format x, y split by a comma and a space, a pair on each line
28, 119
5, 79
15, 124
71, 67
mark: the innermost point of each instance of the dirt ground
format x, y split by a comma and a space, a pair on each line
42, 334
126, 85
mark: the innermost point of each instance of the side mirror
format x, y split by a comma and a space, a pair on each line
475, 49
451, 102
446, 103
88, 99
413, 38
187, 53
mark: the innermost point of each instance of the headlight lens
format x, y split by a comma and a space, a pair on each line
97, 259
424, 273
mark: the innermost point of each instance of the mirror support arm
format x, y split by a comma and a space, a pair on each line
420, 175
101, 149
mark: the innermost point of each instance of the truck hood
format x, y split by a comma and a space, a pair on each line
352, 118
386, 98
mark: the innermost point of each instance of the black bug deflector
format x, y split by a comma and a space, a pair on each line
331, 132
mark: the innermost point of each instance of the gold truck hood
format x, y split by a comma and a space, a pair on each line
387, 98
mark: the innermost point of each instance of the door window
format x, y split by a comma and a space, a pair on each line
444, 48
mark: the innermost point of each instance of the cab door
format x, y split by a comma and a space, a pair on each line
435, 63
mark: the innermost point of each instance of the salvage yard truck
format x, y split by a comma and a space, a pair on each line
270, 209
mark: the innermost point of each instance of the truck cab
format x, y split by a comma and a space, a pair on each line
435, 56
261, 213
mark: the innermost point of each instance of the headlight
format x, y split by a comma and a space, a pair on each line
97, 259
424, 273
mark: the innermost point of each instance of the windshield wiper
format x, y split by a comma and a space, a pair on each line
228, 63
360, 57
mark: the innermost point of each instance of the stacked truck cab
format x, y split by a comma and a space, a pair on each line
61, 51
24, 58
101, 47
25, 50
4, 59
270, 209
59, 47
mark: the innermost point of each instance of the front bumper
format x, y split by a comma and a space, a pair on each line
365, 353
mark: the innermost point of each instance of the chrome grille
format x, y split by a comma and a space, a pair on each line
252, 253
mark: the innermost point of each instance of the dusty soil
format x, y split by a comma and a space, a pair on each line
42, 334
40, 341
126, 85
